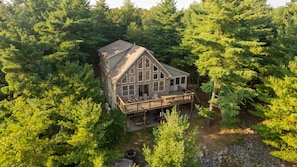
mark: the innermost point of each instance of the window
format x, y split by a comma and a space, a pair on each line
147, 75
125, 91
155, 86
131, 90
147, 63
162, 76
171, 82
128, 90
132, 70
161, 86
183, 80
140, 63
140, 77
155, 68
176, 81
124, 80
131, 79
155, 76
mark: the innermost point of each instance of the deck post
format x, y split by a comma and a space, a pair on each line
126, 117
144, 119
192, 105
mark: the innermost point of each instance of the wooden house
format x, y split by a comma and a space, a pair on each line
135, 81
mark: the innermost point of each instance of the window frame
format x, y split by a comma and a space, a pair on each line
172, 82
155, 68
140, 76
155, 74
132, 69
158, 87
140, 63
124, 79
177, 81
183, 80
162, 75
128, 90
147, 75
147, 62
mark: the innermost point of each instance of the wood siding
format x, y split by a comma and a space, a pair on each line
149, 82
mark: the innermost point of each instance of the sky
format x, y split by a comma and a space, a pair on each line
180, 3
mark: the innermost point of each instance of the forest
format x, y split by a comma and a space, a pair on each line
242, 53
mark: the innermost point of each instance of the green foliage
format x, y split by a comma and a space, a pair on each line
161, 30
228, 39
204, 112
279, 129
68, 31
19, 134
134, 33
45, 133
121, 18
116, 130
75, 80
175, 145
62, 125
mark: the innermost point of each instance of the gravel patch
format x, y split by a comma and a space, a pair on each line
248, 151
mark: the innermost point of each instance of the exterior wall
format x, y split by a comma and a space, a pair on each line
149, 82
108, 87
181, 82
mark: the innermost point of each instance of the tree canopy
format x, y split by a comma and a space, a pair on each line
51, 110
174, 143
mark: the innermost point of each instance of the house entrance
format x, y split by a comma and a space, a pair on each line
143, 89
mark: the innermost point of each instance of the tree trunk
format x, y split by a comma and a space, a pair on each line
213, 95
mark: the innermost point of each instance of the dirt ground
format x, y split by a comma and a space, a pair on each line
214, 138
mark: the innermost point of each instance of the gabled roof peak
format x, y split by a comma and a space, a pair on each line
115, 48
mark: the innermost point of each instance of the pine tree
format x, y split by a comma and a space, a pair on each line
21, 53
122, 17
161, 29
279, 111
68, 31
62, 125
174, 143
227, 38
278, 91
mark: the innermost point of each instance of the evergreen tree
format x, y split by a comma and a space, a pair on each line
103, 25
227, 38
284, 48
278, 91
134, 33
62, 125
122, 17
69, 32
42, 133
21, 53
161, 29
279, 111
72, 79
21, 127
175, 144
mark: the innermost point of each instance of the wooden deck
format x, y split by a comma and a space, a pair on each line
157, 103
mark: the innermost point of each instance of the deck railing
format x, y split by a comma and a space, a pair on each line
151, 104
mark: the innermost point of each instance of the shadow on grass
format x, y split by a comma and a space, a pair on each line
135, 140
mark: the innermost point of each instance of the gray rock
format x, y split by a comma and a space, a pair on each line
123, 162
250, 153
